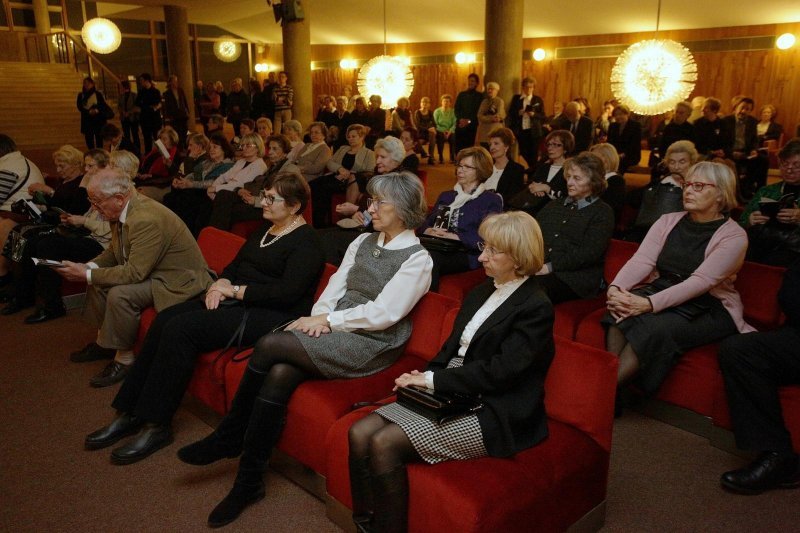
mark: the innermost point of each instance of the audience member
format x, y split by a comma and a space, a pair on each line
311, 160
294, 131
710, 131
216, 124
341, 121
283, 98
269, 97
176, 109
243, 171
327, 112
238, 105
401, 116
376, 120
614, 194
123, 160
426, 126
581, 128
357, 327
525, 118
148, 100
445, 118
698, 102
767, 128
94, 112
547, 182
491, 114
264, 129
453, 222
505, 365
113, 140
409, 139
466, 109
209, 106
157, 169
152, 261
257, 103
271, 281
507, 177
743, 146
625, 136
129, 115
679, 128
689, 261
604, 121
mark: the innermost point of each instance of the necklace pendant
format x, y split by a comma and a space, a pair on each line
376, 253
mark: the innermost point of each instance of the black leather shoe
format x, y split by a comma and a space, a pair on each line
114, 372
771, 470
238, 499
14, 306
92, 352
207, 450
150, 439
121, 427
43, 315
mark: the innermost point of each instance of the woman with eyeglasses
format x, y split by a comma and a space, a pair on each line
547, 182
500, 348
271, 280
454, 221
772, 217
677, 291
157, 170
358, 327
245, 170
244, 203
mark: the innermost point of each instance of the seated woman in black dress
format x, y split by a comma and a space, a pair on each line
614, 195
576, 232
689, 261
547, 182
507, 175
458, 214
272, 280
500, 348
357, 327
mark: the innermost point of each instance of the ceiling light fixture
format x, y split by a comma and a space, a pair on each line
227, 49
785, 41
539, 54
101, 35
465, 57
385, 75
652, 76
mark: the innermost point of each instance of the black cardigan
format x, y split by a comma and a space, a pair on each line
506, 363
511, 182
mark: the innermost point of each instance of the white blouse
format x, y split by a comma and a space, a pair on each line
494, 179
239, 175
395, 301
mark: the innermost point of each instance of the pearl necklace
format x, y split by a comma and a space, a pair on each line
289, 228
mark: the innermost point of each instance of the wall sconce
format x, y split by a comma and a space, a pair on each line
227, 50
348, 64
101, 35
785, 41
464, 57
262, 67
539, 54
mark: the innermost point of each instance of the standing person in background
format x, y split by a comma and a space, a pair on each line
269, 97
223, 96
742, 147
426, 125
679, 129
113, 140
238, 105
129, 115
525, 119
198, 94
467, 104
149, 101
491, 114
209, 106
376, 120
257, 103
176, 109
445, 119
283, 97
92, 106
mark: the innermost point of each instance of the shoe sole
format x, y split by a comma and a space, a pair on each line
122, 461
256, 499
110, 442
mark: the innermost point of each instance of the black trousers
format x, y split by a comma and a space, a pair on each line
465, 137
440, 140
93, 139
130, 130
155, 385
753, 366
529, 147
229, 208
149, 132
447, 263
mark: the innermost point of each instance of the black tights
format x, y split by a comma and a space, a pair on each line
283, 364
379, 451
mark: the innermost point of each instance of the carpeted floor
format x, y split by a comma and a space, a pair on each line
661, 478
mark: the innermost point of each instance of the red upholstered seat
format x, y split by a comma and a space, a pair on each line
245, 228
545, 488
457, 286
317, 404
218, 247
570, 314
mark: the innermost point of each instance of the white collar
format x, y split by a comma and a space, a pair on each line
405, 239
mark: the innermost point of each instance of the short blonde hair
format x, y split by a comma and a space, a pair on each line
683, 147
493, 84
723, 178
126, 162
608, 154
256, 139
171, 134
69, 155
200, 140
517, 234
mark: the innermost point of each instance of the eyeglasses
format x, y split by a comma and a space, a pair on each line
97, 203
554, 145
464, 167
697, 186
489, 250
795, 167
249, 145
377, 203
269, 199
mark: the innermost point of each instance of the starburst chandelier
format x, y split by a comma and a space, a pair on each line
101, 36
386, 75
227, 49
652, 76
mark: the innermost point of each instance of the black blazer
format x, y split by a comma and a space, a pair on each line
537, 120
558, 185
584, 134
506, 363
629, 142
750, 134
511, 182
774, 132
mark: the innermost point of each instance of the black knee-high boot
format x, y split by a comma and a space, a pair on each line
361, 491
390, 491
226, 441
263, 432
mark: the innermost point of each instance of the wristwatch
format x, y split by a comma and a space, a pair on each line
236, 289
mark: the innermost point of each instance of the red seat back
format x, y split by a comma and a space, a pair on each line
758, 285
329, 271
618, 253
218, 247
428, 317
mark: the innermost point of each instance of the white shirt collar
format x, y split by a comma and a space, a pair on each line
405, 239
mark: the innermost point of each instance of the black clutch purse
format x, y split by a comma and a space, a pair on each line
441, 244
439, 407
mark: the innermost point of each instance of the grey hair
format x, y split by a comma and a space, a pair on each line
393, 146
110, 181
724, 179
125, 161
294, 125
404, 190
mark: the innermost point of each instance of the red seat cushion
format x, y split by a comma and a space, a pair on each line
218, 247
695, 381
569, 315
589, 330
457, 286
758, 286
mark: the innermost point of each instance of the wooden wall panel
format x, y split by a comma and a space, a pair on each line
769, 76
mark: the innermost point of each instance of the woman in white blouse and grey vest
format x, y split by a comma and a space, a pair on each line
500, 349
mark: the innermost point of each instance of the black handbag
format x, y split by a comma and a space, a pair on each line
440, 407
656, 201
689, 310
440, 244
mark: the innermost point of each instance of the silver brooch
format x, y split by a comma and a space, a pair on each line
376, 253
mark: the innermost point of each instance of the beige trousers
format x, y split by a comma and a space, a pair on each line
116, 311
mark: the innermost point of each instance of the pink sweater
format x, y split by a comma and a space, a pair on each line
723, 258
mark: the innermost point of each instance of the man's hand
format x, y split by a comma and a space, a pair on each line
73, 271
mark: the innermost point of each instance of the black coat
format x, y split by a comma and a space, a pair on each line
676, 132
506, 363
537, 120
91, 123
511, 182
583, 135
628, 142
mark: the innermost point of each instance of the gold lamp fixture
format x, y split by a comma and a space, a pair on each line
385, 75
101, 36
652, 76
227, 49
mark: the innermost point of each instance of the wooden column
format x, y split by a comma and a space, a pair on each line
178, 56
503, 45
297, 64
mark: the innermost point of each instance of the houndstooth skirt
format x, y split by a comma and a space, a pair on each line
460, 438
